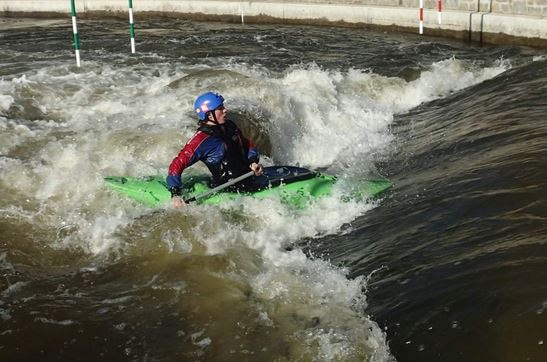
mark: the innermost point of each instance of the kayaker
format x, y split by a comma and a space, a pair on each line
218, 142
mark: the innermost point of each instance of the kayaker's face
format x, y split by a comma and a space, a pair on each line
220, 114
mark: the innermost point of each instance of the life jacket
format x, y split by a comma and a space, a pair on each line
234, 162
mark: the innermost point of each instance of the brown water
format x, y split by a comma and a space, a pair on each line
449, 266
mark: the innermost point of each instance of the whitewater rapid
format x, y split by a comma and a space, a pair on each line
65, 128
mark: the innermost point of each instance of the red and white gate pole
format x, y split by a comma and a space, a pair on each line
421, 16
440, 10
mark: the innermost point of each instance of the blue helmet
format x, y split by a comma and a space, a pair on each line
207, 102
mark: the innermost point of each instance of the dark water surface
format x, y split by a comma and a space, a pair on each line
450, 265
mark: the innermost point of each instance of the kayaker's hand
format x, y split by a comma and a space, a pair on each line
257, 168
178, 202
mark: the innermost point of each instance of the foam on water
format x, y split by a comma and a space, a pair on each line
295, 290
330, 116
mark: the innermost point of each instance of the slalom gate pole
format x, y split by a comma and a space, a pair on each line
421, 16
75, 31
131, 26
440, 10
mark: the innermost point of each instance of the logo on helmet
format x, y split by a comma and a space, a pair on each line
205, 106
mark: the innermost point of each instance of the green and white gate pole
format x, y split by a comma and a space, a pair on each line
75, 31
131, 26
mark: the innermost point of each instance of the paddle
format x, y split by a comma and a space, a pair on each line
220, 187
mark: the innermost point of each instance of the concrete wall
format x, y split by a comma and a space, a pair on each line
514, 7
492, 21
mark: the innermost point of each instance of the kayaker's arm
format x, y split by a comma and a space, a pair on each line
252, 154
187, 156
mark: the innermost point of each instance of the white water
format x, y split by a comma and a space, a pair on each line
81, 126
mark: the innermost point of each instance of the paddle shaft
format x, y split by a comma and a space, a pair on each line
220, 187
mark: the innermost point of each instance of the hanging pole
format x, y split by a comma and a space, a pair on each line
242, 15
131, 26
440, 10
75, 31
421, 16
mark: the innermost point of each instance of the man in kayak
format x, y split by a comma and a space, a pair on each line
219, 143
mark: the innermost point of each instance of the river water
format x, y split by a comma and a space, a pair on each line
450, 265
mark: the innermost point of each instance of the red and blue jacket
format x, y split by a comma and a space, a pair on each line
223, 149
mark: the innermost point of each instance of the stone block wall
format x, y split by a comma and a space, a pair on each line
515, 7
520, 7
492, 21
508, 7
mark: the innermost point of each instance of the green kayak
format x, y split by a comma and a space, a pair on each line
292, 185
